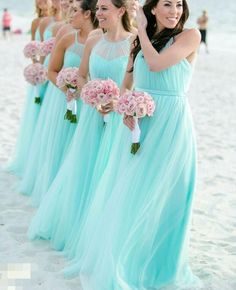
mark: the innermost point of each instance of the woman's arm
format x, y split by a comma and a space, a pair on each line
185, 45
127, 83
34, 26
84, 65
57, 59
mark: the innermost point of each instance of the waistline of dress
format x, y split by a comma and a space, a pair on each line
162, 93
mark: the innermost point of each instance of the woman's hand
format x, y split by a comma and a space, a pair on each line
129, 122
140, 18
34, 60
106, 109
70, 95
64, 89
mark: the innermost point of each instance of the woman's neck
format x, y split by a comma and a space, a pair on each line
84, 31
116, 33
44, 13
57, 16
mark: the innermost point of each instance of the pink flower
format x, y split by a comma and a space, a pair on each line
99, 92
32, 49
35, 74
47, 46
141, 110
133, 103
67, 77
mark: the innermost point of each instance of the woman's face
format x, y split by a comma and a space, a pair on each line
168, 13
66, 4
108, 14
56, 4
43, 4
76, 15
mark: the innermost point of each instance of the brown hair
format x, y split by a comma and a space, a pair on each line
160, 39
125, 18
91, 6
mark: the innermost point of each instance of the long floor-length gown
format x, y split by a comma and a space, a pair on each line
139, 232
52, 135
69, 197
28, 123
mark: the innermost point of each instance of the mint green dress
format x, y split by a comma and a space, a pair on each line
69, 197
27, 126
52, 135
136, 233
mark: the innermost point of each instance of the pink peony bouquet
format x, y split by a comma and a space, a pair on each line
47, 46
67, 77
137, 105
98, 93
36, 74
32, 49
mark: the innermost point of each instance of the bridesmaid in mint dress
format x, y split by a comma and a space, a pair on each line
53, 133
105, 56
140, 235
46, 28
31, 110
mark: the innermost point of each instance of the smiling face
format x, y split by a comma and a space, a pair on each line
108, 14
168, 13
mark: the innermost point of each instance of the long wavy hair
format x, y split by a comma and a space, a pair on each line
159, 39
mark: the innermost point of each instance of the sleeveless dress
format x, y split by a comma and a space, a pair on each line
46, 36
27, 126
140, 235
68, 198
52, 136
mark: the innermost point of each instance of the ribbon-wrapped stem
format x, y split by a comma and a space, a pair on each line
37, 99
135, 137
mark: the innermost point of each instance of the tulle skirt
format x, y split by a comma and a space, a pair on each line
26, 131
51, 140
109, 141
68, 197
136, 233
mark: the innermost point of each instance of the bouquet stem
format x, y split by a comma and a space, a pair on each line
106, 118
37, 100
74, 112
73, 119
68, 115
134, 148
135, 137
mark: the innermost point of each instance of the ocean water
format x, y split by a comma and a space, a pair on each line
221, 13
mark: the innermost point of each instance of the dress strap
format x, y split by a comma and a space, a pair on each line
76, 37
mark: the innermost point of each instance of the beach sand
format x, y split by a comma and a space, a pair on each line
213, 234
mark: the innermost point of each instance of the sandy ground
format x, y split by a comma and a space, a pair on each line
27, 266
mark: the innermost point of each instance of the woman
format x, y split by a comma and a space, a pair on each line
46, 24
105, 56
53, 134
31, 111
42, 10
140, 232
